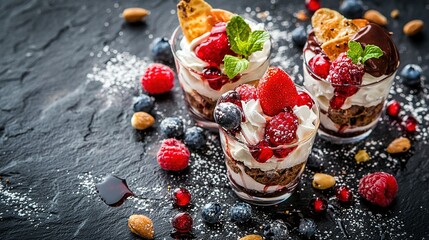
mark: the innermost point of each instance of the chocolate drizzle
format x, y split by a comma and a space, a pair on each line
312, 43
376, 35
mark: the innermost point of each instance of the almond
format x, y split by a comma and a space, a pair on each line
399, 145
413, 27
141, 225
323, 181
134, 14
394, 13
375, 17
251, 237
142, 120
362, 156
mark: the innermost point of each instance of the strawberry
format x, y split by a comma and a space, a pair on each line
215, 47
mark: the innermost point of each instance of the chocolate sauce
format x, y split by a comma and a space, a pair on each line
376, 35
312, 44
114, 191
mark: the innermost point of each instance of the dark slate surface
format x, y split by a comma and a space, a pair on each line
60, 132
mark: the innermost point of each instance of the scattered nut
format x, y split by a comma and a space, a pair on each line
413, 27
301, 15
142, 120
323, 181
375, 17
141, 225
251, 237
362, 156
394, 13
399, 145
134, 14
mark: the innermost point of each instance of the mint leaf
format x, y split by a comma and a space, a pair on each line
234, 65
256, 41
238, 32
355, 51
371, 51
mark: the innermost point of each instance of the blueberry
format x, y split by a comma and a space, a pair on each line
228, 115
299, 36
352, 9
211, 212
161, 50
307, 227
276, 230
144, 103
240, 212
195, 138
172, 127
411, 75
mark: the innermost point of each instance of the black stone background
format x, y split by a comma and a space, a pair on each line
55, 126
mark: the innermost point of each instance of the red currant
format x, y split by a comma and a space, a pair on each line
344, 194
410, 124
318, 205
393, 108
305, 99
181, 197
312, 5
320, 65
182, 222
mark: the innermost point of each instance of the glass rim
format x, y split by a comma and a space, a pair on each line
314, 75
315, 109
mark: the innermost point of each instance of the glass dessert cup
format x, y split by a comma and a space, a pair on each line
358, 116
200, 97
273, 181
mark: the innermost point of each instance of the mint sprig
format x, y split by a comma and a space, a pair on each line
358, 55
243, 42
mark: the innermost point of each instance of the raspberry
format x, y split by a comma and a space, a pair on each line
247, 92
281, 129
320, 65
215, 47
276, 91
379, 188
173, 155
157, 79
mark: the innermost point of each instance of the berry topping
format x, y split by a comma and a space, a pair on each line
182, 222
344, 194
352, 9
410, 124
228, 115
211, 212
195, 138
379, 188
281, 129
283, 152
276, 91
393, 108
261, 152
157, 79
299, 36
215, 47
232, 97
312, 5
173, 155
181, 197
214, 77
344, 72
307, 227
161, 50
144, 103
247, 92
318, 205
276, 230
171, 127
411, 75
305, 99
240, 212
320, 65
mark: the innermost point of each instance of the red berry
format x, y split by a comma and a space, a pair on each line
261, 152
379, 188
312, 5
247, 92
318, 205
410, 124
337, 101
283, 152
344, 194
305, 99
214, 77
181, 197
393, 108
157, 79
276, 91
320, 65
281, 129
182, 222
173, 155
215, 47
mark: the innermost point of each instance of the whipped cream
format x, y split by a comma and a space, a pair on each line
191, 65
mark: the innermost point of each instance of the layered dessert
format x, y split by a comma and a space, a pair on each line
215, 51
349, 66
267, 133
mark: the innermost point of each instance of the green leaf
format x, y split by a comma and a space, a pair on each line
234, 65
371, 51
256, 41
355, 51
238, 32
